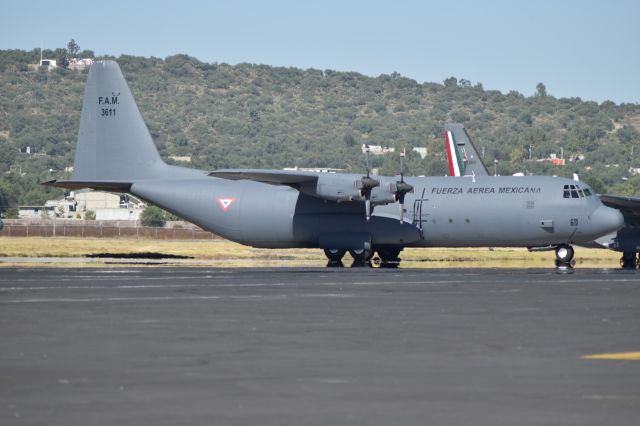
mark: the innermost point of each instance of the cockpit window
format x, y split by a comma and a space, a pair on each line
574, 191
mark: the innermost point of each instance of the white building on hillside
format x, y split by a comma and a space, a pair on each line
74, 205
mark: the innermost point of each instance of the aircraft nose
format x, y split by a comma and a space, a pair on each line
605, 219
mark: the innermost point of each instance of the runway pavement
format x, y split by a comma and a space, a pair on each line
188, 346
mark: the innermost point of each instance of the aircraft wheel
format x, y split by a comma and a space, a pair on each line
564, 255
361, 255
629, 260
334, 255
389, 257
389, 254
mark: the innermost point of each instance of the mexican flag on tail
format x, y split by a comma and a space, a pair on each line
456, 163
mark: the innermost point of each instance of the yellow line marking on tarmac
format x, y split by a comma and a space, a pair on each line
625, 356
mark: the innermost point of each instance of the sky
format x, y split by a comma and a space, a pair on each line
588, 49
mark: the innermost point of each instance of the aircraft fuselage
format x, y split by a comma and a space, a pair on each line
442, 211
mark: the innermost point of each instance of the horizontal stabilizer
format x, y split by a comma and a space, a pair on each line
97, 185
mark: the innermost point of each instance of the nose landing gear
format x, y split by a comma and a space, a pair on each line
389, 257
564, 256
630, 260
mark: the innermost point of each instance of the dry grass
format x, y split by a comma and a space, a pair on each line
229, 254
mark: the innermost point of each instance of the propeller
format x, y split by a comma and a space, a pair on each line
366, 185
401, 187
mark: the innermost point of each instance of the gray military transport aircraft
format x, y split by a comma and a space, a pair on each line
337, 212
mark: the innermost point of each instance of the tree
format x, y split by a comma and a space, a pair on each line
516, 158
541, 90
348, 139
86, 54
12, 212
596, 184
152, 216
89, 215
451, 82
61, 58
630, 187
73, 49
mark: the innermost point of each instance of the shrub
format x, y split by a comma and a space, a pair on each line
152, 216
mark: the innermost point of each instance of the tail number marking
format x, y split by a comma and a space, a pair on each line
108, 100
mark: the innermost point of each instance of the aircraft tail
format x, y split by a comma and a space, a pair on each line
114, 145
113, 141
462, 142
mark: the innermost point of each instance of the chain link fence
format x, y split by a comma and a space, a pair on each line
17, 228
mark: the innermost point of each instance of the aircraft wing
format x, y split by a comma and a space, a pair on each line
628, 206
341, 187
469, 155
274, 177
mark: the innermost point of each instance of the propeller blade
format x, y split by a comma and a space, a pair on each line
401, 187
402, 165
367, 207
366, 155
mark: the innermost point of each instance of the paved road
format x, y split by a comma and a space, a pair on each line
183, 346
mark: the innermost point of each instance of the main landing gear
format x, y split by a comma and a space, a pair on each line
335, 257
388, 257
564, 256
630, 260
361, 257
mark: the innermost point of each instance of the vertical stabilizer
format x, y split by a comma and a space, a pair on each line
471, 159
114, 143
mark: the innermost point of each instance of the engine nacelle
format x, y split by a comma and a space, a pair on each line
336, 187
383, 194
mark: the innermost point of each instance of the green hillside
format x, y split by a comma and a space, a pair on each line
250, 115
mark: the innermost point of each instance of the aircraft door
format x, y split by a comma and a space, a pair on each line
420, 216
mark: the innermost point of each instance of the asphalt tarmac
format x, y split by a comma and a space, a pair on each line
187, 346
